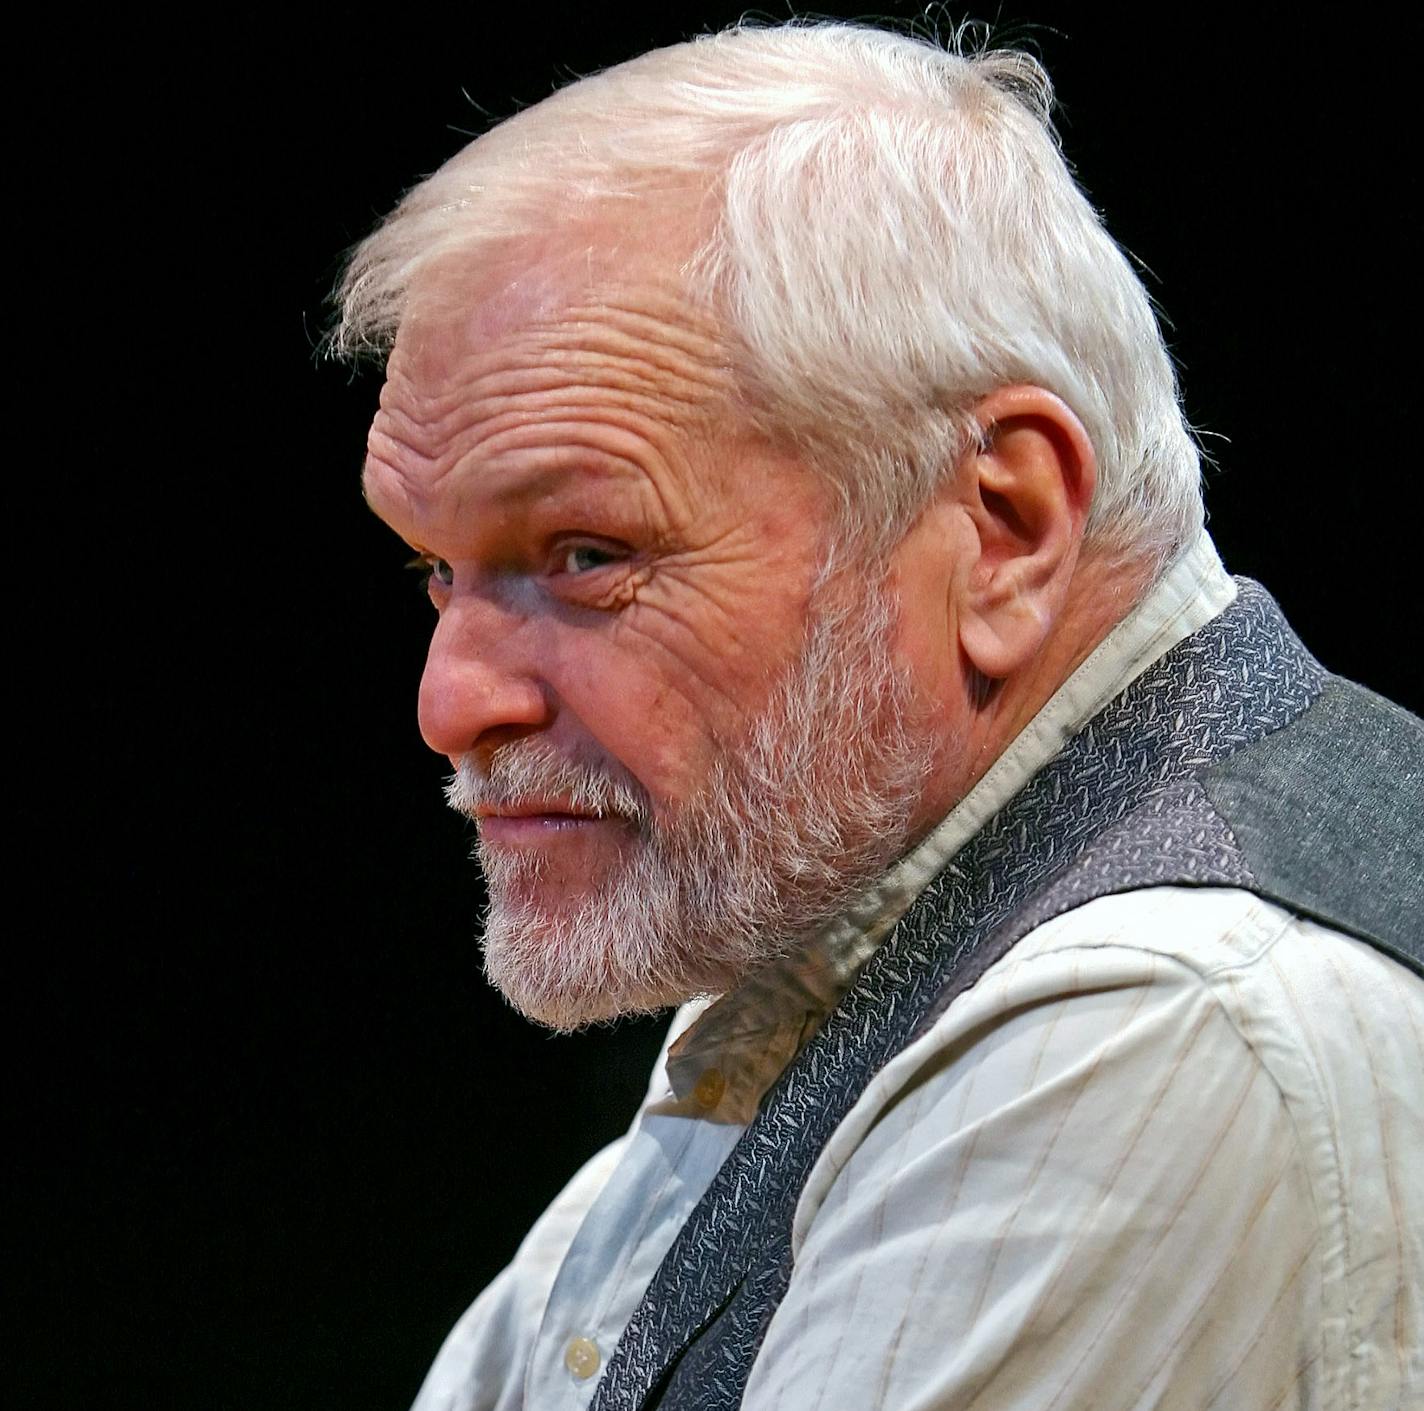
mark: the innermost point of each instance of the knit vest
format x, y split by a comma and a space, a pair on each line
1235, 760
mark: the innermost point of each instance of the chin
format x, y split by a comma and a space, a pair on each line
567, 969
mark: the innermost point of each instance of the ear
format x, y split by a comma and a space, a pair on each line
1026, 489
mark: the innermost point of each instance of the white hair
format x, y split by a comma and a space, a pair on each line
893, 233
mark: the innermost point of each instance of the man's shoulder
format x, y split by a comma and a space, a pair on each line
1320, 1014
1232, 942
1267, 963
1207, 931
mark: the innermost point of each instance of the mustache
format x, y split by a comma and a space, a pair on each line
526, 770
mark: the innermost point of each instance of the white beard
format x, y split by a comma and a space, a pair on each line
796, 819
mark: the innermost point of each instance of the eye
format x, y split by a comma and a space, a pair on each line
434, 572
585, 558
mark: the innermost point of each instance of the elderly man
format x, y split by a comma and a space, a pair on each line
826, 625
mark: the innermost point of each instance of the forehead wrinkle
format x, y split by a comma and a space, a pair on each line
415, 419
382, 486
568, 469
582, 456
545, 365
632, 429
622, 370
629, 353
621, 426
658, 336
625, 354
578, 377
568, 439
579, 461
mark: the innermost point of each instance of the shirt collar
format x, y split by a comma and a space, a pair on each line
736, 1047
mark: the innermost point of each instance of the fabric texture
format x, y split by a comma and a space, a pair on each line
1309, 806
933, 1243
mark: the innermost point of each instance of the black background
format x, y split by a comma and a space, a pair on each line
274, 1131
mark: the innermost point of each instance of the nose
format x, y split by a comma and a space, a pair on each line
476, 686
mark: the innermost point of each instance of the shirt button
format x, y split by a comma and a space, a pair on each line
581, 1358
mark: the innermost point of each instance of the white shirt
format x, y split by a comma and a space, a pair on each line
1169, 1152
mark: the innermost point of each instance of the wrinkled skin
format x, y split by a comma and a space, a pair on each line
619, 565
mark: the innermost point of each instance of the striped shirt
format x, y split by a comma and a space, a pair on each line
1165, 1154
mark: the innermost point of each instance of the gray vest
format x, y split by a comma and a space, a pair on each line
1235, 760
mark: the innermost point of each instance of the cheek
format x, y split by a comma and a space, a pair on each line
635, 707
924, 648
664, 684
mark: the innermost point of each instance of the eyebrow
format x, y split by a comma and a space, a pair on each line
571, 473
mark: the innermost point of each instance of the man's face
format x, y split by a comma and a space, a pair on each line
644, 694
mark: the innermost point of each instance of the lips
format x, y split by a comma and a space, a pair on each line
552, 809
534, 823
